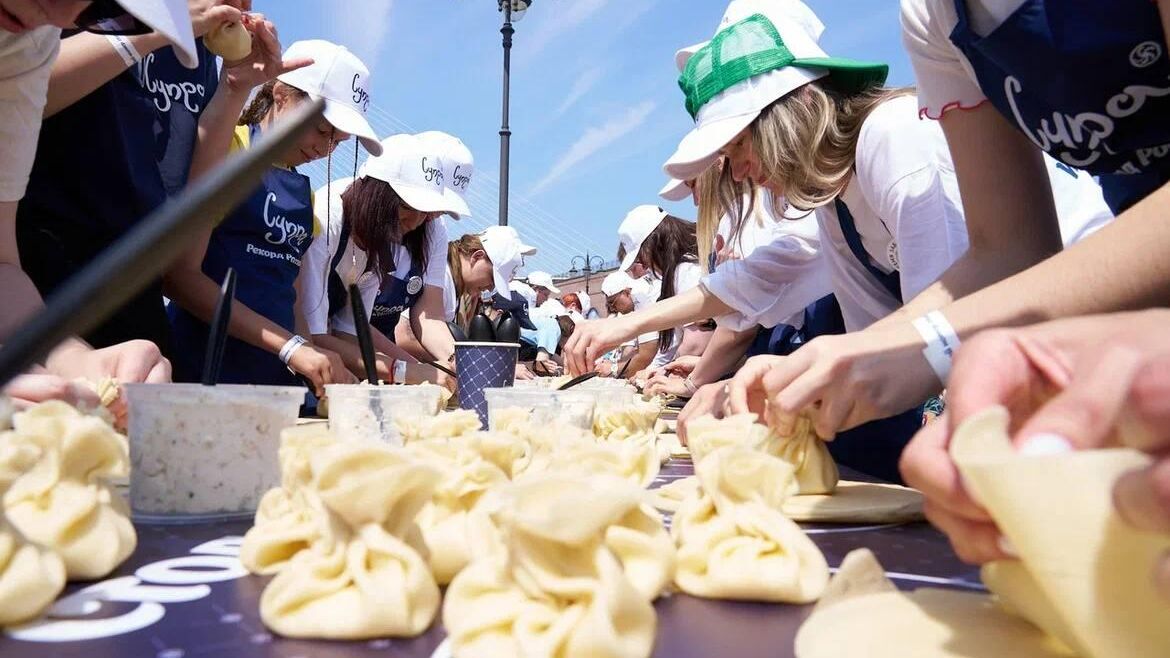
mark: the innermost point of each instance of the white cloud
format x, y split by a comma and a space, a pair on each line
363, 32
563, 16
581, 86
595, 139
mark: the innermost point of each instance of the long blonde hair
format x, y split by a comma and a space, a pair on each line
466, 304
807, 141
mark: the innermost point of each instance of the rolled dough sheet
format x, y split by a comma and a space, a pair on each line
925, 623
857, 502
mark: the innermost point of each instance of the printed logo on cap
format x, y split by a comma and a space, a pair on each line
360, 96
461, 180
432, 174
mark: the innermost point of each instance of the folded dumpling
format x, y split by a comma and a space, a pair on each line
815, 470
733, 540
60, 461
636, 462
444, 520
632, 423
367, 575
446, 425
581, 560
31, 577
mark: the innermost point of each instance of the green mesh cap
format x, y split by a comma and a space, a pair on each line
753, 47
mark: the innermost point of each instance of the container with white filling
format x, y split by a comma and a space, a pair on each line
362, 411
200, 452
543, 406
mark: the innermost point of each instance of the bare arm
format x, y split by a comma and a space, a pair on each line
694, 341
694, 305
641, 358
404, 336
88, 61
723, 353
427, 321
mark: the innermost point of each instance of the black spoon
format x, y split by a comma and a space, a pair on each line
217, 338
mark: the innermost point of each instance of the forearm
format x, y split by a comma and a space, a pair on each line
723, 354
694, 341
386, 346
88, 61
198, 294
216, 126
437, 340
642, 358
694, 305
405, 338
346, 347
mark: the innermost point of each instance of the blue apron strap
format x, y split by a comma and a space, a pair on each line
337, 293
892, 282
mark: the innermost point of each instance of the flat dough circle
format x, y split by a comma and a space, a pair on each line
857, 502
925, 623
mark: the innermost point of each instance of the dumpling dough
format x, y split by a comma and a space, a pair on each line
31, 577
816, 472
367, 575
446, 425
634, 462
733, 540
444, 520
231, 41
1083, 574
633, 423
581, 562
61, 497
285, 523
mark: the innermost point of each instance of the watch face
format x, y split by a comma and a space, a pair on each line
414, 285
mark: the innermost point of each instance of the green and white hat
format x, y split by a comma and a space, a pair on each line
746, 67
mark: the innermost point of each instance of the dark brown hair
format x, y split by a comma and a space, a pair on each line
263, 102
567, 328
370, 207
466, 306
674, 242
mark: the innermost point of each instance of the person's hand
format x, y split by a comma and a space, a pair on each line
845, 380
28, 390
206, 15
592, 339
661, 383
320, 366
707, 400
132, 362
1067, 384
524, 374
605, 369
683, 366
265, 62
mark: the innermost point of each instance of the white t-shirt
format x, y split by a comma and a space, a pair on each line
352, 265
450, 298
777, 270
945, 78
906, 206
26, 60
686, 277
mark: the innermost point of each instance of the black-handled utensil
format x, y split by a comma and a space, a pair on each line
139, 257
622, 373
580, 379
442, 368
217, 337
362, 324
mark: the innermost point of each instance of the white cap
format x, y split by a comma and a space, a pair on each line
586, 303
339, 77
776, 10
723, 117
544, 280
675, 190
459, 165
635, 228
503, 247
525, 291
172, 20
615, 282
525, 249
553, 308
414, 172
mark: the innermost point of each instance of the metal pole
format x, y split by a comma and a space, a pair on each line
588, 272
505, 131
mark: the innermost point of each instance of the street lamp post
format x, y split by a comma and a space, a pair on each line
588, 266
507, 6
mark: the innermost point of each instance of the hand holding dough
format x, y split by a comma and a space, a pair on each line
59, 461
231, 41
816, 472
582, 559
733, 540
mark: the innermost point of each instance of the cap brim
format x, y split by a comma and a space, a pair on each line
454, 199
347, 119
684, 55
848, 75
527, 250
172, 20
423, 199
699, 149
501, 282
675, 190
630, 259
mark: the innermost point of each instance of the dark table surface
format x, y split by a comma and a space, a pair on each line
183, 594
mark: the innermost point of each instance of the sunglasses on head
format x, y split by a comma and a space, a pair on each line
108, 17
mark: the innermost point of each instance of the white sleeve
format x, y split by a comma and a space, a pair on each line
904, 171
436, 254
317, 260
26, 62
945, 78
450, 298
775, 281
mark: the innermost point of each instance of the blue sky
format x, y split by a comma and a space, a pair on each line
595, 104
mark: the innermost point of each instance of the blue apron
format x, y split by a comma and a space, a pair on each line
105, 163
1087, 82
263, 239
396, 296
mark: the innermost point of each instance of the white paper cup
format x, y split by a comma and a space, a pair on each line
543, 406
205, 452
362, 411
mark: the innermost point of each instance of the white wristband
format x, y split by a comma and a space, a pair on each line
398, 373
290, 348
125, 49
941, 343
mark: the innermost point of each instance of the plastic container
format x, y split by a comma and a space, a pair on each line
201, 453
544, 406
362, 411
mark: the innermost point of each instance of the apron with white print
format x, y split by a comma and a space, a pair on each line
1087, 82
397, 295
263, 240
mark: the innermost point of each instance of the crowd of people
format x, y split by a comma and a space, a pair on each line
868, 255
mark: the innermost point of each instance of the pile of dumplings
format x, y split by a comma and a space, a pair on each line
544, 536
61, 519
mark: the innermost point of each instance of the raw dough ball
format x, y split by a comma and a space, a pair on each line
231, 41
